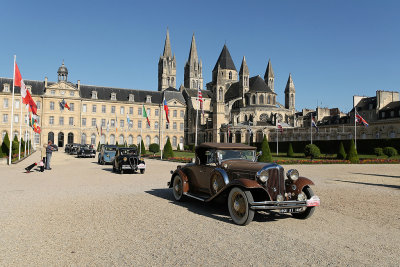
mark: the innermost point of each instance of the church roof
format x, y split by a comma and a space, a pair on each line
243, 68
193, 51
232, 92
225, 60
193, 93
257, 84
269, 72
167, 46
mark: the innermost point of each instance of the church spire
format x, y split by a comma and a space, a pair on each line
244, 70
269, 76
193, 51
193, 71
167, 46
290, 93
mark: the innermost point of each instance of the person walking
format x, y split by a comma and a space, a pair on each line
49, 152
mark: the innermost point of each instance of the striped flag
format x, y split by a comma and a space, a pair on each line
360, 119
279, 126
166, 109
313, 124
145, 116
200, 98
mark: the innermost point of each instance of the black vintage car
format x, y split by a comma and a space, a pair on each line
67, 148
86, 151
231, 172
73, 149
127, 159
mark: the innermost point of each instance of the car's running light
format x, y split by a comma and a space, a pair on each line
313, 202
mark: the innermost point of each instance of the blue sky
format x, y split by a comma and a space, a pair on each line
334, 49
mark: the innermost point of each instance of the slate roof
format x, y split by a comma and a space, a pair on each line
391, 106
232, 92
225, 60
204, 93
364, 103
37, 86
174, 95
257, 84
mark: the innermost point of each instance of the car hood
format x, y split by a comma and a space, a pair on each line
247, 166
109, 153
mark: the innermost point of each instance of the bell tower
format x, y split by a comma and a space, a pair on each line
290, 94
62, 73
166, 67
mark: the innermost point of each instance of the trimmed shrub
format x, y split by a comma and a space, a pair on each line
186, 147
341, 154
143, 149
390, 151
290, 152
154, 148
5, 146
192, 147
98, 147
312, 151
167, 152
265, 151
133, 145
116, 143
178, 148
378, 151
352, 155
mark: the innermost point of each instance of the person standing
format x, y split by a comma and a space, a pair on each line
43, 155
49, 152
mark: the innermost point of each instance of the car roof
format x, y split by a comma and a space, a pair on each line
225, 146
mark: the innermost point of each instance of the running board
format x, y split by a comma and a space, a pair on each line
195, 197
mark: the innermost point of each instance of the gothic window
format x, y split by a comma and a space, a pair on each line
261, 100
269, 100
254, 100
230, 75
168, 81
220, 94
194, 84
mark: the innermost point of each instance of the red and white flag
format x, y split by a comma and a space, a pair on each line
25, 94
279, 126
200, 98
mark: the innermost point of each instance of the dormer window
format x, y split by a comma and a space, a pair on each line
113, 96
29, 88
94, 94
148, 99
6, 88
131, 98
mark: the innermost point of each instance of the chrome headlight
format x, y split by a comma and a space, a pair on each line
263, 176
125, 158
293, 174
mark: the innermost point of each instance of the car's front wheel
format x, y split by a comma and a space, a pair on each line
238, 205
307, 212
177, 188
142, 171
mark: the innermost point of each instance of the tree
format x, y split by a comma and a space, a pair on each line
154, 148
143, 149
98, 147
265, 151
15, 145
178, 148
290, 152
352, 155
167, 152
341, 152
5, 146
390, 151
116, 143
312, 151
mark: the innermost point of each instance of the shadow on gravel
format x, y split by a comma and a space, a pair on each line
373, 174
382, 185
217, 210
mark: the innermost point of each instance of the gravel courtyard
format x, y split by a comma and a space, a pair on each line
82, 214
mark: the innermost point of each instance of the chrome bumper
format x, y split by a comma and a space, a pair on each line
291, 204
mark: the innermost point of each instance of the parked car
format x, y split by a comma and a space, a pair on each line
67, 148
73, 150
127, 159
106, 154
231, 172
86, 151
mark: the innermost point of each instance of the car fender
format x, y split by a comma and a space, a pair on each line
241, 182
299, 185
184, 178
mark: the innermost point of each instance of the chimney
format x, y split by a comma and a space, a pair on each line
45, 82
79, 84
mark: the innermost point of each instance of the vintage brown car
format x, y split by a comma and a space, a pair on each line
232, 172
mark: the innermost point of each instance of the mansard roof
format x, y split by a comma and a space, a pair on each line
193, 93
391, 106
169, 95
257, 84
365, 102
37, 87
225, 60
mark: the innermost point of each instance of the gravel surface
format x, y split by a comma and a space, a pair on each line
82, 214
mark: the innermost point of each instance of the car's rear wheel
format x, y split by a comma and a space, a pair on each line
238, 205
308, 211
142, 171
114, 169
177, 188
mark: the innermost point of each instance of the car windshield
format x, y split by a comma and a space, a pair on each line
110, 149
236, 154
127, 151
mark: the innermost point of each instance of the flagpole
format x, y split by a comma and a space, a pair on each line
12, 115
20, 127
26, 129
141, 138
355, 123
197, 115
277, 142
162, 131
311, 127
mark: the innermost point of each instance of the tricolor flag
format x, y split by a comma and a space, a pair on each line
145, 116
166, 109
25, 94
279, 127
64, 104
360, 119
229, 131
313, 124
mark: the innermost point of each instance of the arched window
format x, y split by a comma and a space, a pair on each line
166, 139
245, 117
363, 136
247, 100
181, 141
70, 138
156, 140
274, 100
83, 139
254, 100
269, 100
130, 140
139, 139
112, 139
121, 139
103, 139
261, 100
93, 139
168, 81
174, 141
220, 94
230, 75
3, 134
148, 141
172, 81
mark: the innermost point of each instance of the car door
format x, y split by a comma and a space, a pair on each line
204, 171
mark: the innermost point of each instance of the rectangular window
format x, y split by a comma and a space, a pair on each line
16, 118
71, 93
103, 109
156, 125
71, 121
51, 120
16, 103
103, 122
157, 112
130, 110
113, 109
93, 122
383, 114
53, 92
148, 112
175, 113
174, 126
5, 118
83, 121
139, 124
139, 111
51, 105
121, 123
147, 125
61, 121
37, 138
94, 108
182, 113
112, 123
72, 106
84, 108
122, 110
38, 104
181, 126
392, 113
5, 103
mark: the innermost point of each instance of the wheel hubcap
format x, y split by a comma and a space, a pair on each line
236, 205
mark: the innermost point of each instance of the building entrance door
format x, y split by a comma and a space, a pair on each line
61, 139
